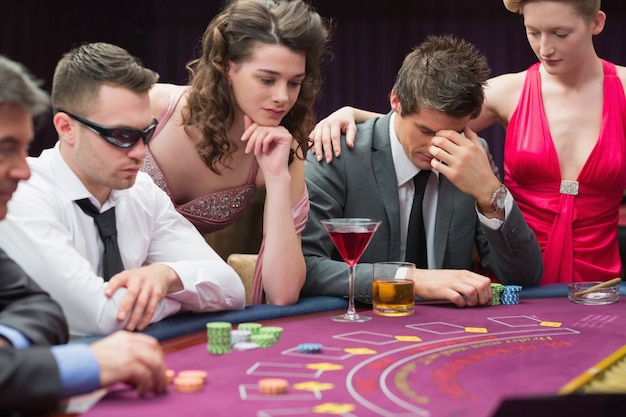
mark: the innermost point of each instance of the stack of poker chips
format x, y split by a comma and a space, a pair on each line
242, 339
496, 291
253, 328
219, 337
273, 331
190, 381
262, 340
510, 295
260, 336
222, 338
239, 336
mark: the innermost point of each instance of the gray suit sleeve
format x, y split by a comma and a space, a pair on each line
29, 381
511, 252
29, 378
25, 307
327, 273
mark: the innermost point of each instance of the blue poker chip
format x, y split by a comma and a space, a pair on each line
309, 348
509, 298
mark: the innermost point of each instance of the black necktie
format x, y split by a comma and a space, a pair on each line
416, 235
112, 262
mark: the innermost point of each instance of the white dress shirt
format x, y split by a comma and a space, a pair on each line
405, 171
59, 246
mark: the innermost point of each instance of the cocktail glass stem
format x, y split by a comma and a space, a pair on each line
351, 313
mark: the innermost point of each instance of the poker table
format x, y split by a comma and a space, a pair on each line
440, 361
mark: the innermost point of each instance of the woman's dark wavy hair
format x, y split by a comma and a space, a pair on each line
232, 36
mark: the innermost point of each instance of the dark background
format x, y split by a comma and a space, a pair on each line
370, 39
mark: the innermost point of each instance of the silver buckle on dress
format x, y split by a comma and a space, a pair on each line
569, 187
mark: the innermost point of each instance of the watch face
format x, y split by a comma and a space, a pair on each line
500, 196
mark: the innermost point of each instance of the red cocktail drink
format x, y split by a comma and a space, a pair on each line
351, 237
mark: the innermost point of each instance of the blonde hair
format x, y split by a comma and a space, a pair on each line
586, 8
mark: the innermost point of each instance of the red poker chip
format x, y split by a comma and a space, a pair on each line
273, 386
188, 384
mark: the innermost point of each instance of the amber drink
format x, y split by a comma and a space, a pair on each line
392, 290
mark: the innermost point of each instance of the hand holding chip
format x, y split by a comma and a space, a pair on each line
132, 358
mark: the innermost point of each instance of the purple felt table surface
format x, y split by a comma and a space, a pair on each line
441, 361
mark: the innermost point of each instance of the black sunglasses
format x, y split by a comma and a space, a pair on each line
122, 137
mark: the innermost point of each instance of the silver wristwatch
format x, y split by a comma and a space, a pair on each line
496, 204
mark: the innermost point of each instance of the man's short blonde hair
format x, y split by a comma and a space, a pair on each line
586, 8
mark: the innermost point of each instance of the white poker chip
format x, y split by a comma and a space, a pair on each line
245, 346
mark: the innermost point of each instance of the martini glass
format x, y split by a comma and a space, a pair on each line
351, 236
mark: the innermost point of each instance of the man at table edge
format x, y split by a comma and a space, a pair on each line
35, 376
437, 91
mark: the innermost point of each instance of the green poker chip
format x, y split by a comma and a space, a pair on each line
263, 340
273, 331
253, 328
218, 349
219, 325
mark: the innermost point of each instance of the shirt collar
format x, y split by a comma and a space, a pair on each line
74, 187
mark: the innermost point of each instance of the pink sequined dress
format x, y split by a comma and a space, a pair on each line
575, 221
215, 211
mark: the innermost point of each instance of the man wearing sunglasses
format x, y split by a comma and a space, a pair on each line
162, 265
122, 137
34, 375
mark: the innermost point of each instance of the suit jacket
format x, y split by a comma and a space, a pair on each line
362, 183
29, 378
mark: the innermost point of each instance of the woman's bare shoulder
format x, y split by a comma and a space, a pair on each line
159, 94
506, 83
501, 95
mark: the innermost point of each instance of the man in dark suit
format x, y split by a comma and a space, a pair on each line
437, 91
34, 375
